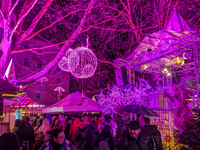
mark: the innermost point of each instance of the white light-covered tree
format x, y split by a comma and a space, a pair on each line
117, 97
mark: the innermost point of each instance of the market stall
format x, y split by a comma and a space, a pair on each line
71, 103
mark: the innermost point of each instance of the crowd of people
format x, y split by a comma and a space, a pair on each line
89, 132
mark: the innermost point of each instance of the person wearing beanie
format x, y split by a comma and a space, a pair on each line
16, 126
132, 138
44, 128
9, 141
78, 135
25, 134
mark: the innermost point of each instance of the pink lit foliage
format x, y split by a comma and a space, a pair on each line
114, 28
117, 97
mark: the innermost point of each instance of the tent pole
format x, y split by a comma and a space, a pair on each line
9, 119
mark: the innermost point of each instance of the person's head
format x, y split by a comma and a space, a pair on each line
145, 121
103, 119
140, 119
28, 119
106, 132
9, 141
17, 122
134, 129
46, 122
81, 125
23, 123
58, 136
88, 120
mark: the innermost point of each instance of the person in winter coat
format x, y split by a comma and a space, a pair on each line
105, 136
78, 135
73, 129
30, 126
16, 126
25, 134
57, 142
44, 128
9, 141
67, 128
149, 131
131, 138
101, 124
89, 135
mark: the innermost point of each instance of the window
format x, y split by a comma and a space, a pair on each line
58, 80
40, 50
39, 64
26, 61
38, 96
26, 45
58, 69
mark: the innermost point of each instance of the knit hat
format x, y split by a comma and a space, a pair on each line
134, 125
9, 141
81, 123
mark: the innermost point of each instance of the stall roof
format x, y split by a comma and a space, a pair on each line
70, 104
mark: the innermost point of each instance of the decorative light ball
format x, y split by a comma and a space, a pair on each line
178, 61
187, 55
65, 63
87, 64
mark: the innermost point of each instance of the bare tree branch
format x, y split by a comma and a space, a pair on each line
64, 48
17, 1
34, 22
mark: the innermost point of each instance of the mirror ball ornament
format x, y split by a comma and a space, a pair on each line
65, 63
87, 64
178, 61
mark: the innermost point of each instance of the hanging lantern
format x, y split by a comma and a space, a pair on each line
87, 64
178, 61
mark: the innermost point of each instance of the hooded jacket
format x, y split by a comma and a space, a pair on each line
44, 128
151, 130
16, 127
126, 142
73, 129
89, 137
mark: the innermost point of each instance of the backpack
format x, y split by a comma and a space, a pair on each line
103, 145
152, 143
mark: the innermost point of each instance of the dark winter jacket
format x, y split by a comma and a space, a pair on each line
78, 138
151, 130
67, 128
89, 137
110, 141
32, 130
126, 142
16, 127
25, 134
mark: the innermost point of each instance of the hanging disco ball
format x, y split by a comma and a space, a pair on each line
65, 63
178, 61
187, 55
87, 64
